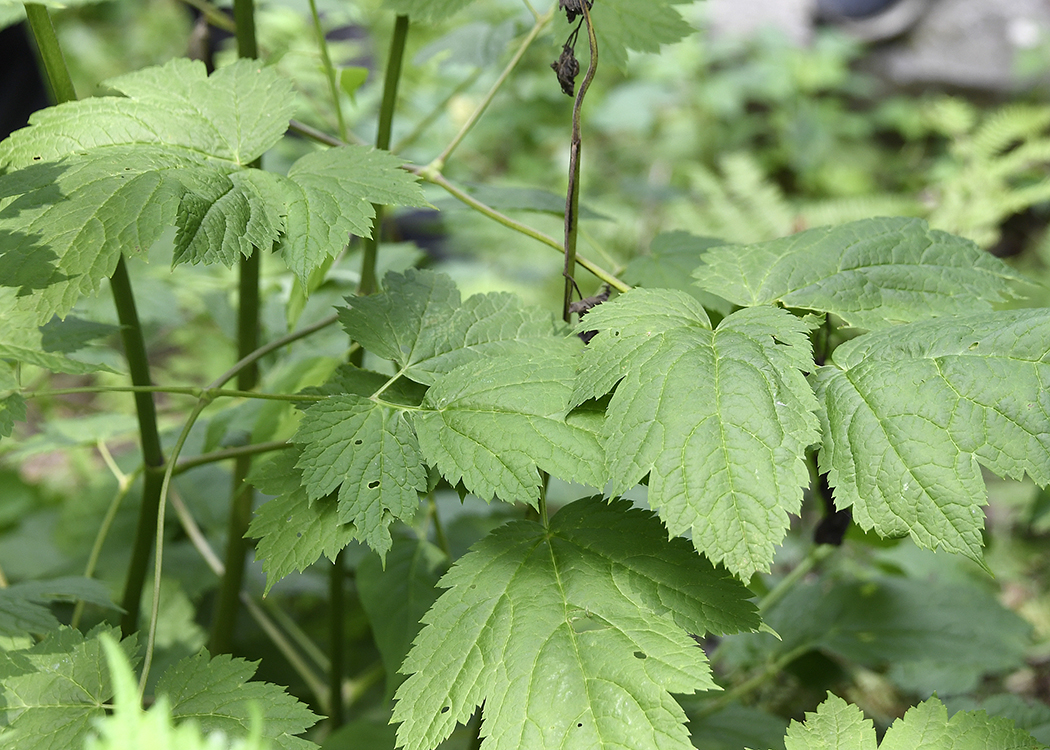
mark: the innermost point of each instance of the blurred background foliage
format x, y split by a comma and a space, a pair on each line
739, 140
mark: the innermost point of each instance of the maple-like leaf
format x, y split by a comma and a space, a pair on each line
836, 725
419, 322
719, 419
51, 692
494, 425
293, 532
573, 636
368, 451
910, 411
219, 695
871, 273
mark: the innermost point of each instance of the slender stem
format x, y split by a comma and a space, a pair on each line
228, 453
58, 78
214, 16
437, 178
224, 621
262, 351
309, 131
751, 684
336, 649
329, 69
436, 112
439, 529
817, 554
541, 22
572, 197
188, 390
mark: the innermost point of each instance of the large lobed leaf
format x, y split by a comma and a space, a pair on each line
572, 636
836, 725
871, 273
909, 413
719, 419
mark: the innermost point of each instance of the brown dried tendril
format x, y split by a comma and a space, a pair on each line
567, 67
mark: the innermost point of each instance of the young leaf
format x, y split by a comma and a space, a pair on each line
12, 409
218, 694
909, 412
640, 25
293, 532
719, 420
571, 636
24, 606
419, 322
836, 725
871, 273
369, 452
494, 424
396, 595
52, 692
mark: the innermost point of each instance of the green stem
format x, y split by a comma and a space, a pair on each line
326, 60
572, 197
58, 78
336, 651
439, 529
817, 554
751, 684
228, 453
224, 622
213, 15
436, 112
439, 163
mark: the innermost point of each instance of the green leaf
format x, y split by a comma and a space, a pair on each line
495, 424
639, 25
419, 322
330, 194
24, 606
909, 412
131, 728
369, 452
53, 691
219, 696
871, 273
719, 419
672, 258
396, 595
571, 636
293, 532
12, 409
836, 725
351, 79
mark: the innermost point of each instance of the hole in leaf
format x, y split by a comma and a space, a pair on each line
974, 345
358, 441
36, 158
579, 724
640, 655
445, 710
373, 484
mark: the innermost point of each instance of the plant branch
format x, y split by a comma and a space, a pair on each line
213, 15
572, 197
244, 450
329, 69
439, 163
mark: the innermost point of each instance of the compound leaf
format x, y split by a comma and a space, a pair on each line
573, 636
219, 696
908, 413
53, 691
293, 532
369, 452
493, 425
871, 273
719, 419
419, 322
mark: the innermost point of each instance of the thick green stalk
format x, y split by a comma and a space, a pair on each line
227, 605
134, 347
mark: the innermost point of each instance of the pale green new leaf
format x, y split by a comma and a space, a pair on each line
836, 725
51, 692
24, 606
293, 532
871, 273
219, 695
419, 322
495, 424
395, 596
909, 412
12, 409
573, 636
719, 419
329, 196
369, 452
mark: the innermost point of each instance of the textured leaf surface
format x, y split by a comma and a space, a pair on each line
370, 453
836, 725
720, 420
420, 323
24, 606
909, 412
330, 195
293, 532
53, 691
494, 425
669, 264
572, 637
218, 695
396, 597
871, 273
